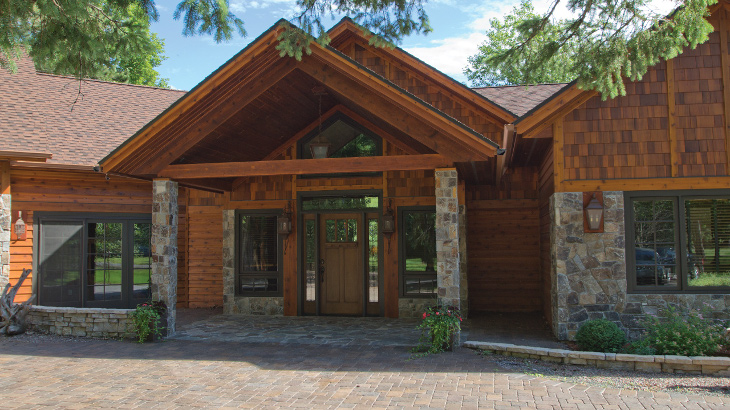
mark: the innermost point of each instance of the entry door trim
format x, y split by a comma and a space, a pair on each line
300, 245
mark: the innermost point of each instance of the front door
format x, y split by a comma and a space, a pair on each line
341, 264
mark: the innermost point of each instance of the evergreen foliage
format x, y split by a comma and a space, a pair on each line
600, 335
614, 40
486, 70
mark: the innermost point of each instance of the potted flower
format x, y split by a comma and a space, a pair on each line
439, 328
150, 321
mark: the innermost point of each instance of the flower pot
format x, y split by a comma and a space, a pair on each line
449, 345
162, 326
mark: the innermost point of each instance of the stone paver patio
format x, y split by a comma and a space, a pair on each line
208, 366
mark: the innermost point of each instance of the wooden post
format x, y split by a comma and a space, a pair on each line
559, 154
672, 119
725, 60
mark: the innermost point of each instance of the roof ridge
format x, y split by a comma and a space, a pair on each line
516, 85
108, 82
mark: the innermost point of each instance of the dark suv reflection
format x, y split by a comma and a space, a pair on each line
668, 258
648, 268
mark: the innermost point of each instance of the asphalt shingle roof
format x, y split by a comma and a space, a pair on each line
519, 99
77, 122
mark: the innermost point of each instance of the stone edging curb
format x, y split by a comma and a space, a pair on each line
655, 363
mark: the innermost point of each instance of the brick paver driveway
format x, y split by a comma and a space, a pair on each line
44, 371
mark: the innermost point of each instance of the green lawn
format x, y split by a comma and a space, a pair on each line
711, 279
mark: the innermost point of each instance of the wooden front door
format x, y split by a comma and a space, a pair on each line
341, 269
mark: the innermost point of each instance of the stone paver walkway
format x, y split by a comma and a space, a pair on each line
334, 331
55, 372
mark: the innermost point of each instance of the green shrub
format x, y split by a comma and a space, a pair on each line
682, 332
600, 335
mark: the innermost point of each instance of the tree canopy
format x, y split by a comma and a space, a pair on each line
613, 40
88, 38
485, 69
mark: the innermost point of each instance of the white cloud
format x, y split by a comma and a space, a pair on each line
450, 55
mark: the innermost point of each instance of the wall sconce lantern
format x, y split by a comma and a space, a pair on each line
388, 220
19, 227
593, 212
283, 223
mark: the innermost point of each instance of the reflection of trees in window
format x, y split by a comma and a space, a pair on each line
360, 146
420, 243
708, 234
258, 255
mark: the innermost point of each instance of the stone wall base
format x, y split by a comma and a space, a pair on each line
413, 307
268, 306
650, 363
91, 322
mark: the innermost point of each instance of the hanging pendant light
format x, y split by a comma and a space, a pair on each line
319, 146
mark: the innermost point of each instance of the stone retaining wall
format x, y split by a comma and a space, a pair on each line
409, 308
649, 363
65, 321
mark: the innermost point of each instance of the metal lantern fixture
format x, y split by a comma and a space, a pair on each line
593, 212
283, 223
319, 146
388, 221
20, 227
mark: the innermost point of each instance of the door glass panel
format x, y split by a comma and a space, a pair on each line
104, 262
60, 263
343, 203
341, 230
331, 230
310, 259
373, 260
142, 261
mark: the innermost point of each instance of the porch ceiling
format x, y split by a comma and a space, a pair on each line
270, 121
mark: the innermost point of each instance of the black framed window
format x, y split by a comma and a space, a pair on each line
93, 260
678, 242
417, 243
259, 261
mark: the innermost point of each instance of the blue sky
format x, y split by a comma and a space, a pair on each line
459, 27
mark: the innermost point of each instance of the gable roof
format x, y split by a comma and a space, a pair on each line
249, 73
520, 99
78, 122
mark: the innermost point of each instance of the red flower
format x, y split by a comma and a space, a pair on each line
424, 315
437, 313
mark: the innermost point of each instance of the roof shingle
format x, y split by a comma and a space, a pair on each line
79, 122
520, 99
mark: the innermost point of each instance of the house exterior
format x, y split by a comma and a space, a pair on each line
362, 182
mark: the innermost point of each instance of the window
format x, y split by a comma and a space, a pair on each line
259, 255
93, 262
347, 139
418, 252
678, 242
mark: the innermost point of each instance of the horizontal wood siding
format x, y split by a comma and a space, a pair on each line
503, 253
546, 186
517, 183
205, 256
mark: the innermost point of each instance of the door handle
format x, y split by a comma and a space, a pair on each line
321, 270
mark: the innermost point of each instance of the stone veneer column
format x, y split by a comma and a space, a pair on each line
229, 251
588, 269
164, 246
5, 223
447, 238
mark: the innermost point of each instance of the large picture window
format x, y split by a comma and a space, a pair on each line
418, 252
93, 262
259, 255
678, 242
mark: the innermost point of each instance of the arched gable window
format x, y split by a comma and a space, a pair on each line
346, 139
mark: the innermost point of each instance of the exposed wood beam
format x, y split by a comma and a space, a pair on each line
218, 115
305, 166
508, 144
644, 184
558, 153
400, 118
24, 156
4, 178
